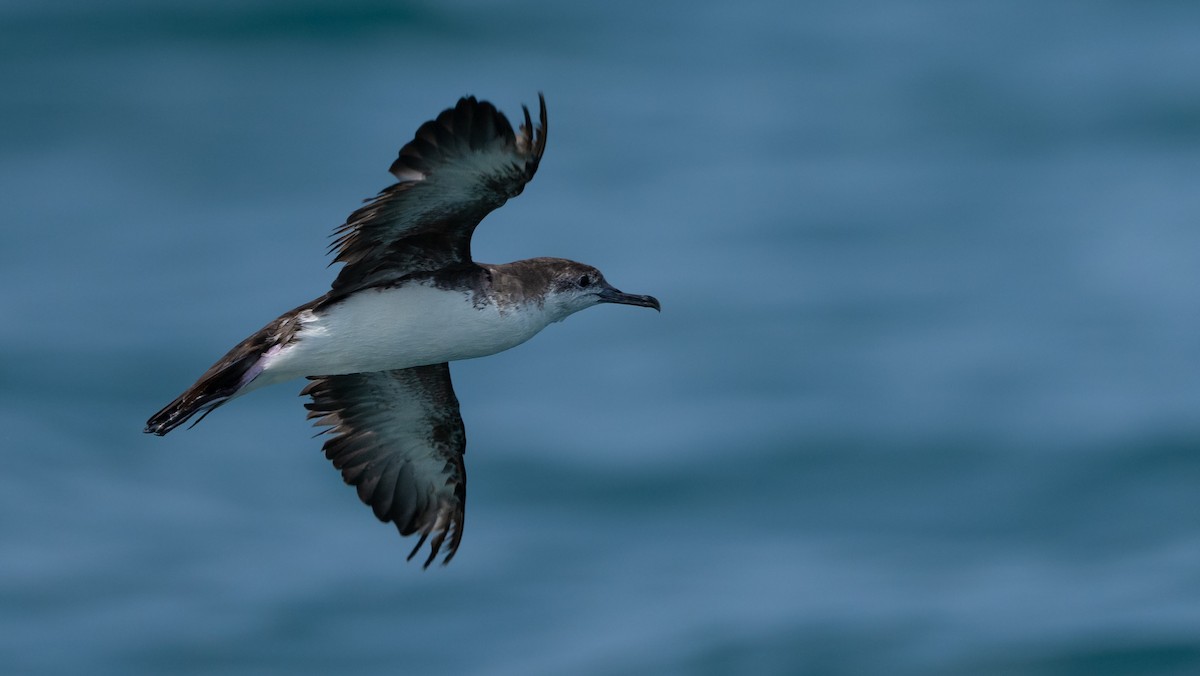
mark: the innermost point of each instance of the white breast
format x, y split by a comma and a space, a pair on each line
413, 325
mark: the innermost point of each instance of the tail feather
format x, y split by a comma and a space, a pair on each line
219, 384
230, 375
184, 407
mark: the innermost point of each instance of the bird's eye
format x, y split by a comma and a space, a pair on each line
585, 281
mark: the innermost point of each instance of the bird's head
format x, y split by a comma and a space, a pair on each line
574, 286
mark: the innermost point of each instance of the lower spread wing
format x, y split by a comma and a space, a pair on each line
458, 168
398, 438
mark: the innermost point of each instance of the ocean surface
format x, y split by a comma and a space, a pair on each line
922, 398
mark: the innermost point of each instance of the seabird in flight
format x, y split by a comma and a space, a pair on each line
409, 299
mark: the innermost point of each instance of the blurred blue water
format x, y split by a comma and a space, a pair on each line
921, 399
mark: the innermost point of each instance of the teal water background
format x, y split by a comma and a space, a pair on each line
922, 398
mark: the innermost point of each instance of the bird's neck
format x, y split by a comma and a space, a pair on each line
519, 285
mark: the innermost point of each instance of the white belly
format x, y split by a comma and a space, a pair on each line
414, 325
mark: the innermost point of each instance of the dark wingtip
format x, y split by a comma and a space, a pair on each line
544, 124
435, 546
418, 547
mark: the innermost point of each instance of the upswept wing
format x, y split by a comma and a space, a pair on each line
458, 168
398, 438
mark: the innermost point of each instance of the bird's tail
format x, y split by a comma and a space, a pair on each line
225, 380
186, 405
232, 374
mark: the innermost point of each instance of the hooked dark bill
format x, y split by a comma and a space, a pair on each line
612, 295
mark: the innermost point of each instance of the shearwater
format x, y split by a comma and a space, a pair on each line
407, 300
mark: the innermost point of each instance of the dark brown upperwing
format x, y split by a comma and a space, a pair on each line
457, 169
